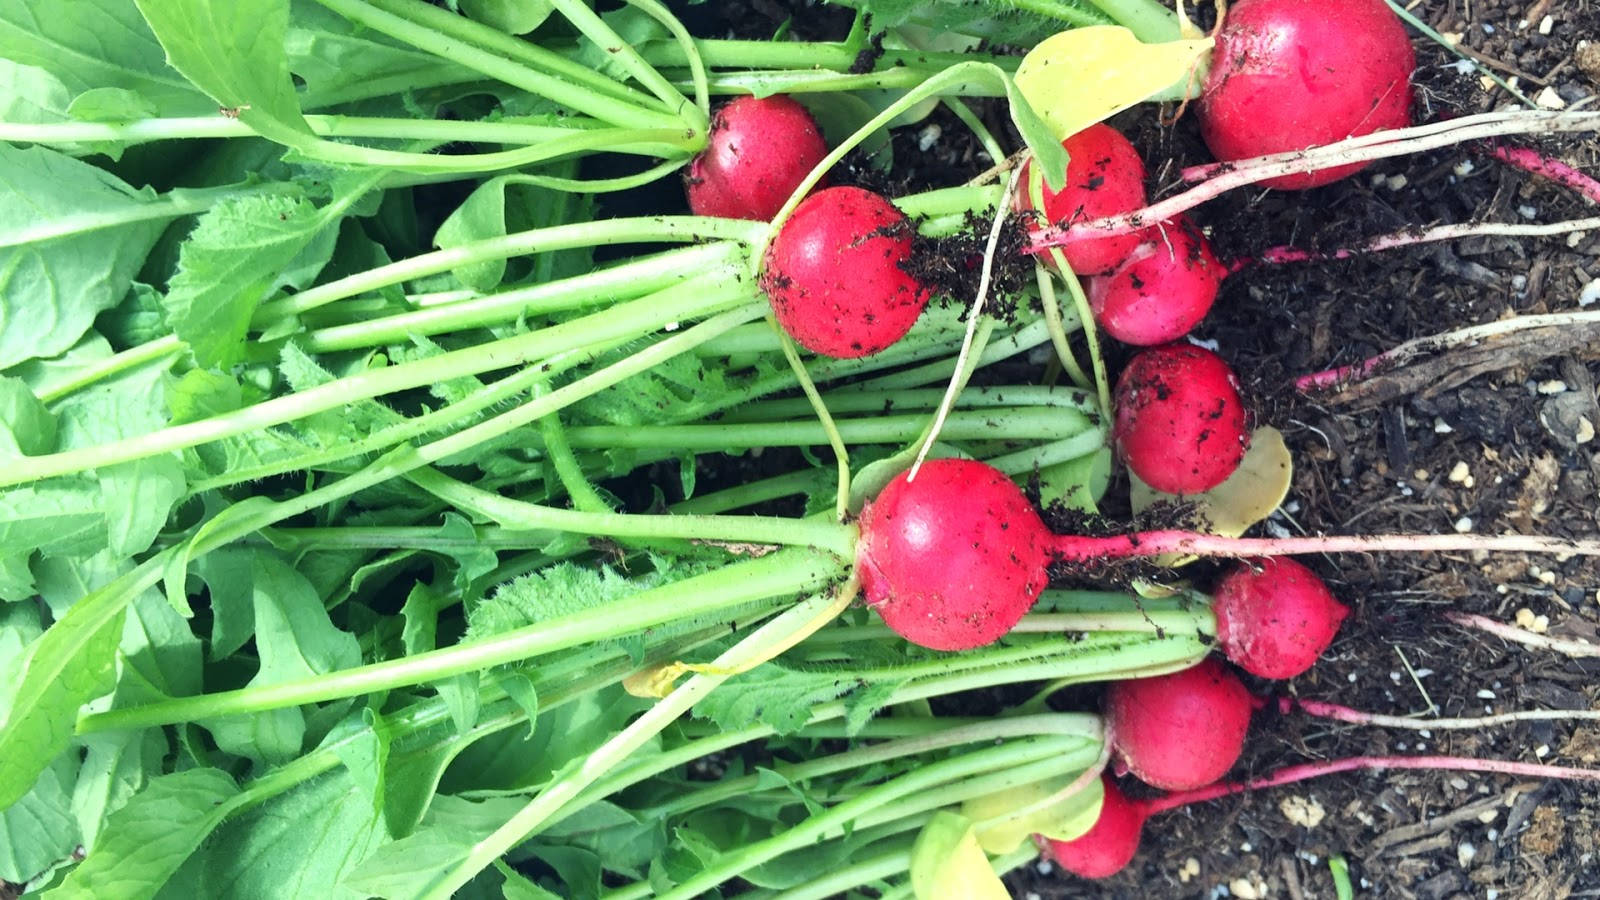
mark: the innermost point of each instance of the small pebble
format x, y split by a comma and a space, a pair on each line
1526, 211
1546, 578
1486, 695
1243, 889
1465, 167
1460, 473
1351, 677
1420, 474
1585, 431
929, 136
1459, 784
1552, 387
1464, 524
1546, 24
1574, 239
1303, 811
1398, 182
1549, 99
1542, 751
1525, 618
1590, 295
1485, 818
1518, 282
1440, 426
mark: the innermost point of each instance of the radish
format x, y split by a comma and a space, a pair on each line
953, 558
833, 274
1101, 852
1275, 617
758, 151
1108, 847
1181, 730
1161, 289
1180, 424
1286, 75
1105, 177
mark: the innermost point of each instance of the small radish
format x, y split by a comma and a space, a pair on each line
1105, 177
1106, 849
833, 274
1162, 288
1181, 730
1110, 845
1180, 424
953, 558
1275, 617
758, 151
1287, 74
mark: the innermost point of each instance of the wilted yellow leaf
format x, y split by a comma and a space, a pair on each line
948, 864
1079, 77
1249, 495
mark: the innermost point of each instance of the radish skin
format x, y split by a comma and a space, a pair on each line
1105, 177
1181, 730
1180, 423
758, 151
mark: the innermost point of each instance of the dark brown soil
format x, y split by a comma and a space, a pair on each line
1506, 450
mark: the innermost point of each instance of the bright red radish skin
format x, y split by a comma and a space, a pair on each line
1275, 617
1110, 845
1181, 730
1162, 288
1180, 423
834, 278
953, 558
1286, 75
1105, 177
758, 151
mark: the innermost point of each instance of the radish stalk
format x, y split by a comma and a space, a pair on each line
1324, 710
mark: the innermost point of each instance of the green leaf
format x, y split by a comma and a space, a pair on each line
31, 95
71, 664
421, 613
233, 260
115, 767
89, 44
481, 216
146, 840
999, 21
518, 887
38, 831
160, 655
366, 756
337, 59
948, 864
60, 518
26, 427
299, 844
110, 104
51, 289
234, 52
294, 639
510, 16
772, 695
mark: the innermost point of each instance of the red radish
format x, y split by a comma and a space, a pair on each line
1109, 846
1275, 616
1286, 75
1162, 289
1180, 424
1096, 854
953, 558
1181, 730
834, 278
758, 151
1105, 177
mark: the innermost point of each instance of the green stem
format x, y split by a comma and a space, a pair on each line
751, 650
1086, 323
721, 291
613, 44
782, 574
855, 399
539, 240
137, 131
1010, 756
801, 55
171, 205
1150, 22
163, 348
601, 105
964, 425
622, 282
1058, 333
829, 537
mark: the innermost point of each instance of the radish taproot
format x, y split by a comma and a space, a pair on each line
1181, 730
1161, 289
1275, 616
1180, 423
1105, 177
1287, 75
834, 278
758, 151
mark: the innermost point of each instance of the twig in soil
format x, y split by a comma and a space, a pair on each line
1575, 649
1323, 710
1463, 354
1219, 178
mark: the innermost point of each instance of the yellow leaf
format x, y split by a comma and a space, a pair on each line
1249, 495
1007, 818
948, 864
1079, 77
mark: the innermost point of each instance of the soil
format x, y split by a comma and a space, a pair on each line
1498, 442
